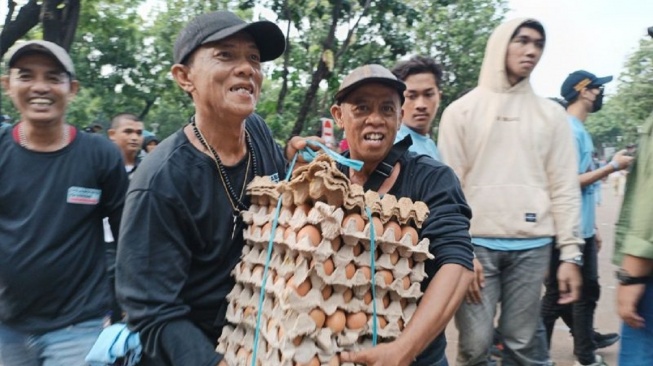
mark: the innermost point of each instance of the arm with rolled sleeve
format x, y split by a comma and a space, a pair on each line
562, 170
153, 266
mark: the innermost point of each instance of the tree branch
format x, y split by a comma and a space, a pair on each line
27, 18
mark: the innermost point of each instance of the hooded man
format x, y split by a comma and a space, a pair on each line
583, 91
511, 151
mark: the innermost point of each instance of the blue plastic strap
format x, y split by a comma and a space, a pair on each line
373, 270
308, 155
273, 230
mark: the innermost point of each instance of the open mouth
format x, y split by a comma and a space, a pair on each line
243, 89
373, 137
40, 102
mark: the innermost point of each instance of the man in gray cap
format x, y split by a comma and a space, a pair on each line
182, 231
368, 107
57, 185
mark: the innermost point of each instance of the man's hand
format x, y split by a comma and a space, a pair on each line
223, 363
384, 354
627, 299
297, 143
598, 240
569, 282
622, 159
474, 292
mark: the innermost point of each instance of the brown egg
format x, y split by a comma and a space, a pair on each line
400, 323
289, 230
326, 292
334, 361
328, 266
358, 249
336, 321
265, 230
367, 298
312, 233
382, 322
242, 354
378, 227
409, 230
367, 272
403, 302
272, 324
249, 311
394, 257
302, 289
298, 340
313, 362
395, 228
386, 301
257, 270
356, 320
336, 243
411, 262
350, 270
358, 219
387, 276
406, 282
281, 333
347, 295
263, 200
318, 316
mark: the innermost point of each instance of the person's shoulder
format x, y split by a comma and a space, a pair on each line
255, 124
173, 158
93, 142
463, 104
422, 163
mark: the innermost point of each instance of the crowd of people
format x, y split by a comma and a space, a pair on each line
92, 227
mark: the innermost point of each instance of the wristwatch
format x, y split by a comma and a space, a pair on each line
577, 260
625, 279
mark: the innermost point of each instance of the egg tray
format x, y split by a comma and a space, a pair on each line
321, 181
239, 352
328, 218
307, 257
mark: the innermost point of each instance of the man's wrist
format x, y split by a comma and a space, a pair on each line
614, 165
577, 260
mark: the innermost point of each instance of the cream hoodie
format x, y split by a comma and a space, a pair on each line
514, 154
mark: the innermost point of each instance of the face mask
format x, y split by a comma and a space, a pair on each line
598, 102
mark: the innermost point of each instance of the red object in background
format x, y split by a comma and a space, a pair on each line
344, 145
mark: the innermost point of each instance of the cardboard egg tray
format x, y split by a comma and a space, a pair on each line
318, 293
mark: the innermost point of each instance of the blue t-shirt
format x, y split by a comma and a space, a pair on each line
422, 145
585, 147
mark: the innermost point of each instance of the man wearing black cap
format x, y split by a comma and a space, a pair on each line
57, 185
182, 229
369, 108
583, 91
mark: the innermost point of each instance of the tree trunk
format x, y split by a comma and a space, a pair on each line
320, 73
60, 19
27, 18
286, 64
148, 105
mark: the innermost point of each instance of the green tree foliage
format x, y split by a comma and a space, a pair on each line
617, 123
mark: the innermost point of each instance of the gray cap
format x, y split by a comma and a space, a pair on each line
45, 47
372, 73
219, 25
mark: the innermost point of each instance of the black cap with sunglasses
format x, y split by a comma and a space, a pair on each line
578, 80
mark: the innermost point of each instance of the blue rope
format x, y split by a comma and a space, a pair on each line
308, 155
373, 270
273, 230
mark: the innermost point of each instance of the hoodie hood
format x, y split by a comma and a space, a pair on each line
493, 70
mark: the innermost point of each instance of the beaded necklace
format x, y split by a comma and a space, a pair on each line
236, 201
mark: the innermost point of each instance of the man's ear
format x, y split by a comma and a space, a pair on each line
74, 88
111, 133
336, 112
4, 81
181, 75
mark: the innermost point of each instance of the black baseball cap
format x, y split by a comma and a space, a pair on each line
219, 25
45, 47
578, 80
368, 74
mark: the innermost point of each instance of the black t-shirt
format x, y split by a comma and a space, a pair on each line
175, 252
447, 226
52, 262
